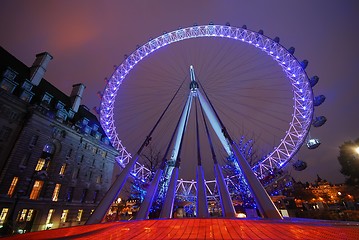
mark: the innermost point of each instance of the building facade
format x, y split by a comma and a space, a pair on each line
56, 162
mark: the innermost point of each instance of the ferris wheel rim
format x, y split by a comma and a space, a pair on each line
303, 108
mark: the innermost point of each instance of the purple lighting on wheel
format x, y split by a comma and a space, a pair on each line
302, 92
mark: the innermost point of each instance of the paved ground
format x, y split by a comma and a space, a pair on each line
205, 229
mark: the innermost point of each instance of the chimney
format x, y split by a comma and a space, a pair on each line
39, 66
76, 96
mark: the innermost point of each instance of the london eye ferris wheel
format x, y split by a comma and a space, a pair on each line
261, 91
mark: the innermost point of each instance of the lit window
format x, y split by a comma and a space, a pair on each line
55, 195
46, 98
99, 179
63, 169
40, 164
26, 96
49, 148
22, 215
8, 85
94, 149
11, 190
64, 215
29, 215
3, 215
36, 189
49, 215
79, 215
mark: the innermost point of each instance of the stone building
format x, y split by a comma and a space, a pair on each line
56, 162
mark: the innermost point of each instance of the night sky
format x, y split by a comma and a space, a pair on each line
87, 38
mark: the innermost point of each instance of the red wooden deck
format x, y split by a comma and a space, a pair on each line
205, 229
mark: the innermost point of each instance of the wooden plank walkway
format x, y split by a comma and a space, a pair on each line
213, 228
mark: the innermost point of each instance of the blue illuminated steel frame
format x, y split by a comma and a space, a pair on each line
302, 92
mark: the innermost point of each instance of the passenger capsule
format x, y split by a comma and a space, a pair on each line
299, 165
313, 143
313, 81
318, 100
304, 64
291, 50
319, 121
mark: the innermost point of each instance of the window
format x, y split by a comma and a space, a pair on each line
3, 215
25, 159
98, 135
10, 74
49, 215
95, 127
94, 149
29, 215
55, 195
87, 129
27, 85
40, 164
22, 215
99, 179
46, 98
95, 196
49, 148
5, 133
36, 189
60, 105
79, 215
63, 169
8, 85
25, 215
84, 195
64, 214
70, 193
33, 140
76, 173
69, 153
11, 190
26, 96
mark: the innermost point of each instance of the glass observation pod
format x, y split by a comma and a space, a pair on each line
313, 81
299, 165
319, 121
313, 143
318, 100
